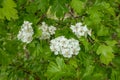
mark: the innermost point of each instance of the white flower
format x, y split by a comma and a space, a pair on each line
80, 30
47, 31
52, 30
45, 35
26, 24
65, 47
56, 53
44, 27
73, 28
67, 53
78, 24
26, 32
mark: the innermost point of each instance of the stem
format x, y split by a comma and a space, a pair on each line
26, 51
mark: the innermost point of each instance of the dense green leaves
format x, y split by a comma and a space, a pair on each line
98, 59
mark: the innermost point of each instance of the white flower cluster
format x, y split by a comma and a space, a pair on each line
47, 31
80, 30
26, 32
64, 46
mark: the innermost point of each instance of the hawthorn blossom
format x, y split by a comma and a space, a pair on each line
26, 32
52, 30
64, 46
80, 30
47, 31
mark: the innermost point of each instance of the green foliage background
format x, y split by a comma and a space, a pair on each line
99, 58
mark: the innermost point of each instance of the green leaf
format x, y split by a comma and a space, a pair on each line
8, 11
38, 33
116, 60
43, 5
77, 5
3, 30
56, 70
114, 75
94, 15
105, 53
73, 62
9, 46
58, 8
89, 71
32, 8
107, 8
103, 31
1, 3
111, 43
85, 43
5, 58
